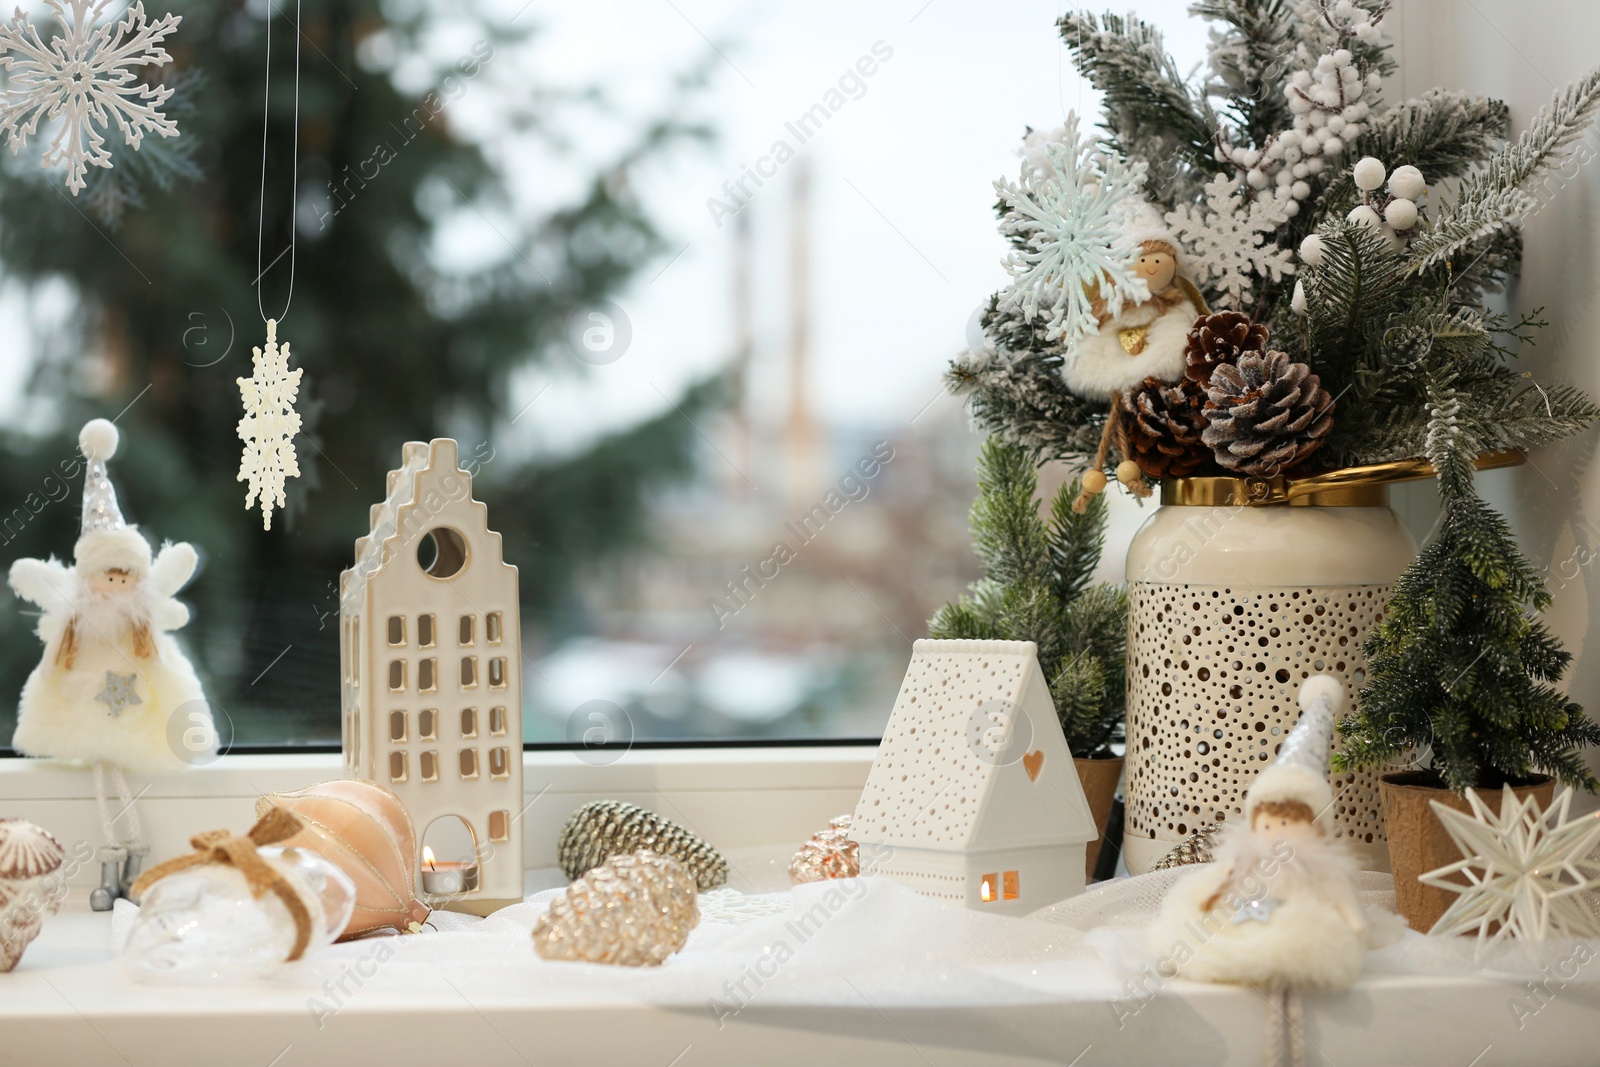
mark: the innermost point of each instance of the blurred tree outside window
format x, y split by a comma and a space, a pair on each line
697, 386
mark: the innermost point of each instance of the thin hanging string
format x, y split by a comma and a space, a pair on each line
294, 192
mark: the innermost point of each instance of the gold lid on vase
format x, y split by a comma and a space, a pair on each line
1348, 487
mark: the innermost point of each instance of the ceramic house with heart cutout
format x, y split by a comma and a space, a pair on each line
973, 797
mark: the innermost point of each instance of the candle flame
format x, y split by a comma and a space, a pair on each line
986, 891
427, 857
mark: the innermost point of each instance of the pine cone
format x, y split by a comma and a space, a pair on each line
1163, 424
1196, 848
634, 910
1218, 339
829, 854
1267, 414
606, 828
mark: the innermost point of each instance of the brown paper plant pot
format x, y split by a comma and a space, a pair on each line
1099, 778
1418, 842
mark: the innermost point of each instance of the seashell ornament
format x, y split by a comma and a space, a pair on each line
29, 890
605, 828
634, 910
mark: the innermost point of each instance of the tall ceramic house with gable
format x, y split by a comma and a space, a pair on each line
432, 694
973, 797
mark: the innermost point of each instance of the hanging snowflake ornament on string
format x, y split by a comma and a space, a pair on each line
269, 426
1527, 872
1228, 241
86, 80
1068, 218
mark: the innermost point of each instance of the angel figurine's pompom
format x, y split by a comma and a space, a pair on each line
98, 439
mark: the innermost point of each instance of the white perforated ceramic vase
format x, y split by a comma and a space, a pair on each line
1231, 605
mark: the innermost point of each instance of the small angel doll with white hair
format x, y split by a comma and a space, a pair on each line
113, 688
1278, 908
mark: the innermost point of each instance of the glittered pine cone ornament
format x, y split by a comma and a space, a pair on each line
1267, 414
1198, 847
1163, 424
606, 828
1218, 339
634, 910
829, 854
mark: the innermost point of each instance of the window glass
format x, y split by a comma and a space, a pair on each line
681, 279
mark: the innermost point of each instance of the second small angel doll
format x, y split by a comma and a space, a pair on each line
113, 689
1277, 908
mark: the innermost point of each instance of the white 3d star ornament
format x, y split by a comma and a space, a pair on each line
86, 80
1527, 871
269, 426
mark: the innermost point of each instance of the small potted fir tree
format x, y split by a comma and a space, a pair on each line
1036, 588
1462, 681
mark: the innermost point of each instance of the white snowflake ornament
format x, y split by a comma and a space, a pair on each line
1228, 241
269, 426
86, 80
1070, 211
1528, 872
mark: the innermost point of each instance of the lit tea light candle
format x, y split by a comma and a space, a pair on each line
443, 878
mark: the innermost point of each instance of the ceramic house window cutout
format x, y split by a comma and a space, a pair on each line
973, 797
428, 555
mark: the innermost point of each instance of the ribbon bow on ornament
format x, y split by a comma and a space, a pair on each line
229, 849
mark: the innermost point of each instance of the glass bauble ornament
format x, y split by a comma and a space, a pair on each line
204, 925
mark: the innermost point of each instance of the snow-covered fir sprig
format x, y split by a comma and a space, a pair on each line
1067, 218
1504, 190
1331, 98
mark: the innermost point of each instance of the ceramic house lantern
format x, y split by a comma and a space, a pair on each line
432, 693
973, 797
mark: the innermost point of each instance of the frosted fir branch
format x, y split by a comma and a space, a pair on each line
1524, 414
1500, 193
1071, 255
1150, 111
1126, 59
1023, 401
1350, 295
1248, 56
1447, 445
1442, 133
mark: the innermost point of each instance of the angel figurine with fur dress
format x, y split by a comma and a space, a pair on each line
113, 687
1141, 341
1277, 907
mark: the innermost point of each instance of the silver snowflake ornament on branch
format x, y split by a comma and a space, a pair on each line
1228, 241
1527, 872
1068, 216
86, 81
269, 426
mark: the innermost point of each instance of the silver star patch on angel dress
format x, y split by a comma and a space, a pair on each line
1254, 911
118, 693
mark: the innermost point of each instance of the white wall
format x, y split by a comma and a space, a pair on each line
1523, 51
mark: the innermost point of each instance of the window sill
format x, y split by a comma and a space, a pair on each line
733, 797
70, 1002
